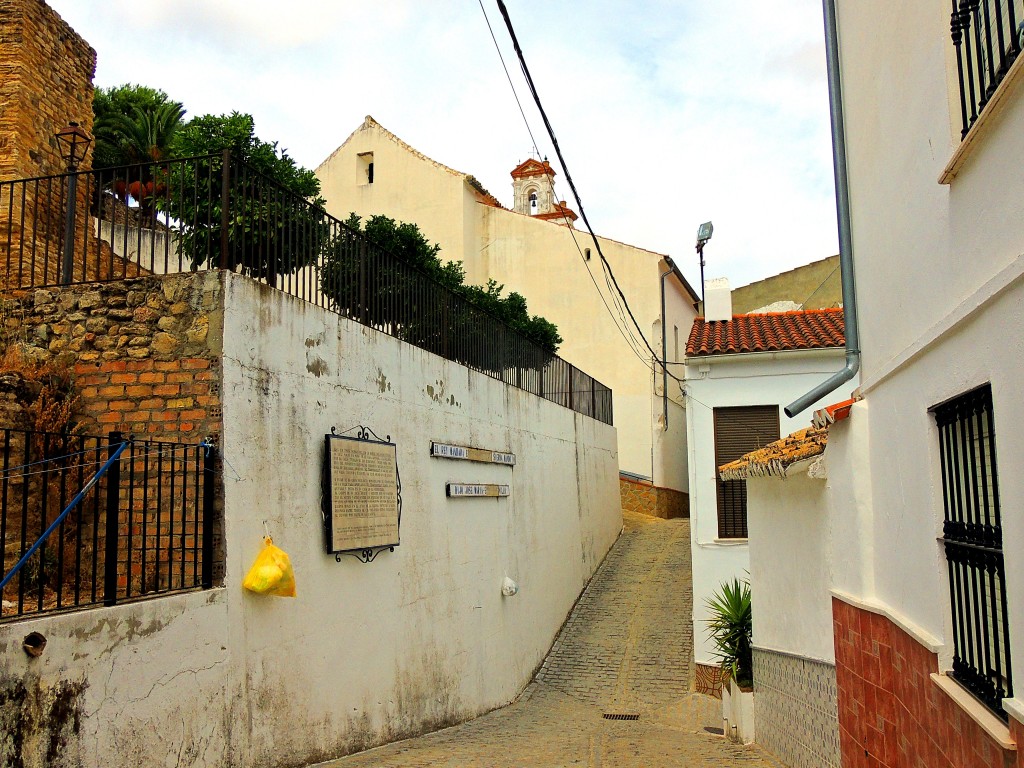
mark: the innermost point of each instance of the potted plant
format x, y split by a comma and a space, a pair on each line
730, 627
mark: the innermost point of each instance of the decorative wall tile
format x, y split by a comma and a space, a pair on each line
795, 709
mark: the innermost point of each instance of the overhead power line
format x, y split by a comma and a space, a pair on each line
624, 329
569, 181
500, 56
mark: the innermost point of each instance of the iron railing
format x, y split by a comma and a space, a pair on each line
215, 212
987, 38
973, 539
147, 527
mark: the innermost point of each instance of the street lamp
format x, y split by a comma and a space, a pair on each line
73, 143
703, 235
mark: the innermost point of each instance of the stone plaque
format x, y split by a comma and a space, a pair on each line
361, 494
476, 490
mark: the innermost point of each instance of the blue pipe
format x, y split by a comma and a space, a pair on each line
74, 502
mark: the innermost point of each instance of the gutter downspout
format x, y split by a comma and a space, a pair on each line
664, 347
835, 94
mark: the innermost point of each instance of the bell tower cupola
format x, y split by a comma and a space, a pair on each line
533, 185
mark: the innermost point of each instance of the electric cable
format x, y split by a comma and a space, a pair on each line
507, 75
624, 329
804, 302
568, 176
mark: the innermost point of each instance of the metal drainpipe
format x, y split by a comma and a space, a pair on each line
835, 95
664, 347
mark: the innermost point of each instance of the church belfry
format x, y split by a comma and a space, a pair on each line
533, 185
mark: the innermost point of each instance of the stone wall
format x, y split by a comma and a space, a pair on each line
46, 73
643, 497
146, 351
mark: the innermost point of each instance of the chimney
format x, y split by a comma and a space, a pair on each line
717, 300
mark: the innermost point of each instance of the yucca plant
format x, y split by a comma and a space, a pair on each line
730, 628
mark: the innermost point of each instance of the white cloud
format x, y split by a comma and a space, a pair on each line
669, 112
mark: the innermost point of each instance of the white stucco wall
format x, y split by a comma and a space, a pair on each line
542, 261
423, 636
940, 281
734, 380
366, 653
789, 529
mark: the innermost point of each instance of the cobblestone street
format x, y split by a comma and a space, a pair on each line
625, 650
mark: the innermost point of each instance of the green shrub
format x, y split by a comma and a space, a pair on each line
730, 627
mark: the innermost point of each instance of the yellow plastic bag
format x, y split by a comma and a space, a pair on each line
271, 573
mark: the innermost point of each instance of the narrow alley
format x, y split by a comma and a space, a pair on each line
625, 652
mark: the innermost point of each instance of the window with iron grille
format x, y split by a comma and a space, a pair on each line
987, 39
973, 539
739, 431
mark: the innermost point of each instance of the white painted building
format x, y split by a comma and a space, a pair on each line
740, 372
924, 477
790, 540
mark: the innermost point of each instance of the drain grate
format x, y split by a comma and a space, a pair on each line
619, 716
716, 731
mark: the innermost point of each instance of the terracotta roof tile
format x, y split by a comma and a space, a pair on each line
769, 332
775, 458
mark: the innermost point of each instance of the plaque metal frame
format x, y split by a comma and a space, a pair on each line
363, 554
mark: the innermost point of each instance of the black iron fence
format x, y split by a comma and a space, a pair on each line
973, 539
145, 528
987, 38
213, 212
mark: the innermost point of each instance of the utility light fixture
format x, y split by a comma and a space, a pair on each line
704, 233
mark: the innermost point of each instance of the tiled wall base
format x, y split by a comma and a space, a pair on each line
795, 709
891, 714
647, 499
708, 680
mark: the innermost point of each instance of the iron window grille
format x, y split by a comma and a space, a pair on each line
973, 539
987, 38
738, 431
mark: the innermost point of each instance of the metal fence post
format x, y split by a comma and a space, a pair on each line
111, 530
225, 204
569, 371
364, 315
209, 497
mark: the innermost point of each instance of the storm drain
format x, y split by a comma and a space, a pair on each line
619, 716
716, 731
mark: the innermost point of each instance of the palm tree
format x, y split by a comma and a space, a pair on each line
146, 135
139, 139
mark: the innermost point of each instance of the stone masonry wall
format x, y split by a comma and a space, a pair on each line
146, 351
648, 499
46, 72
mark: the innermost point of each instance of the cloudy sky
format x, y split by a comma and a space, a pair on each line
668, 112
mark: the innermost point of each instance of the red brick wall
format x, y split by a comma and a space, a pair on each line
890, 712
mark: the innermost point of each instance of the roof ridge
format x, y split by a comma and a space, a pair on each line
791, 312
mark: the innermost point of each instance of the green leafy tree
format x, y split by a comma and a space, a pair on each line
275, 222
374, 272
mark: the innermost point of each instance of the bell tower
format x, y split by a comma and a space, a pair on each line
533, 185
